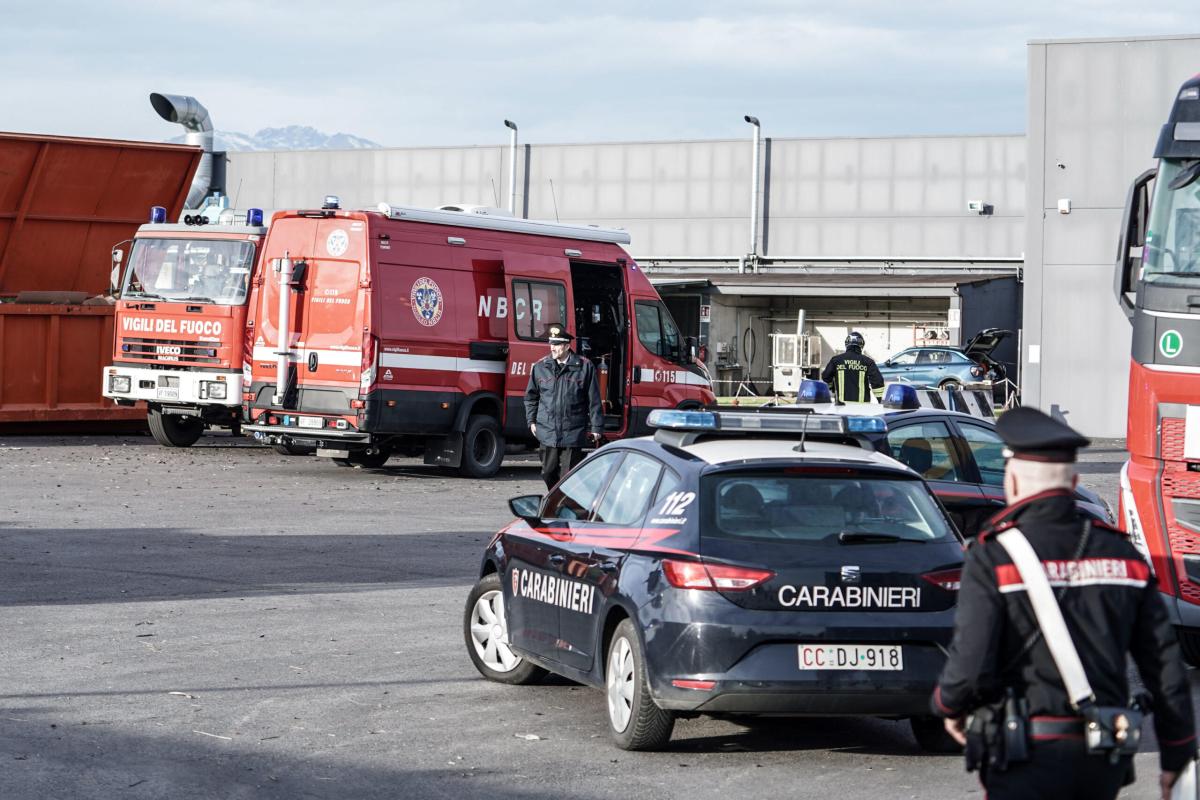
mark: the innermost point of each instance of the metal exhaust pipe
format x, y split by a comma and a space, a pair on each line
283, 356
188, 112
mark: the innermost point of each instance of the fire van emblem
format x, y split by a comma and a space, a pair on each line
426, 300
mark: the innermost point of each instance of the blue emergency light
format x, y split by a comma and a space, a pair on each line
812, 392
901, 395
866, 425
254, 218
670, 419
158, 215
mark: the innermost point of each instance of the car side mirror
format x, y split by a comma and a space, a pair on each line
528, 507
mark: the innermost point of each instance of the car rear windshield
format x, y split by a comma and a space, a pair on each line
802, 505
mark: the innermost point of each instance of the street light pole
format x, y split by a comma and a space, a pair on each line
512, 167
754, 188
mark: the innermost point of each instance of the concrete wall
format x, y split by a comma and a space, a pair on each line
887, 197
1095, 109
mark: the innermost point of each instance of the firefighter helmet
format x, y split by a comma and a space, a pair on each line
855, 339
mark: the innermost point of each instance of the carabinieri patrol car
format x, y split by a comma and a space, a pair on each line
735, 562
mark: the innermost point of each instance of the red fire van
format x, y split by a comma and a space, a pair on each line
415, 330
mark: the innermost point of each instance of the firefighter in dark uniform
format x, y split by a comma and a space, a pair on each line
1110, 602
562, 406
852, 375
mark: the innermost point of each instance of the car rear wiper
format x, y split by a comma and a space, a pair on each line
867, 537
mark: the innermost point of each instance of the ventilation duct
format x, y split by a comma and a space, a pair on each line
188, 112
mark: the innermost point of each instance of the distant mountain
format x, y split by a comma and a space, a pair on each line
293, 137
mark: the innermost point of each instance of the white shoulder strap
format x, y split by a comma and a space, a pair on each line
1049, 615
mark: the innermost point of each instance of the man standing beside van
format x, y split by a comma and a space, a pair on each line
562, 406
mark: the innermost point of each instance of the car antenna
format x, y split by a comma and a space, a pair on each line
803, 433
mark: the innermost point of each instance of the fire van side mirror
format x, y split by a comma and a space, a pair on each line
691, 347
527, 507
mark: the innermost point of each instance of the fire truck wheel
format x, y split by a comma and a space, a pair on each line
485, 628
483, 447
1189, 645
371, 460
171, 430
294, 449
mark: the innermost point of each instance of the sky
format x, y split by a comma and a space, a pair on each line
448, 72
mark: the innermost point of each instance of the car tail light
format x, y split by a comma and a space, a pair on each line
358, 404
948, 579
272, 420
703, 686
713, 577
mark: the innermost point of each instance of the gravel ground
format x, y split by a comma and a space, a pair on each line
226, 622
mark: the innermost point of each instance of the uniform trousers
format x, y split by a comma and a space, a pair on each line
557, 462
1058, 770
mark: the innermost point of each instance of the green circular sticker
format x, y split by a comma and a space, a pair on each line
1170, 344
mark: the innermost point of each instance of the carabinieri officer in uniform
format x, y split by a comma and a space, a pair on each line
562, 406
1109, 600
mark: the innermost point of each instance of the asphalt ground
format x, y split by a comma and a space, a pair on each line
225, 622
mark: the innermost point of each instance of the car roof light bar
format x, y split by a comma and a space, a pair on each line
812, 392
764, 421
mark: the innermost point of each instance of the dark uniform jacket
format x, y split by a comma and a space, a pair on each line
852, 376
1111, 606
564, 401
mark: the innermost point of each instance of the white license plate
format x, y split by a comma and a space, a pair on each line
888, 657
170, 393
312, 422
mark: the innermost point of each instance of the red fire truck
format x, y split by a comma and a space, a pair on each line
180, 330
1158, 262
410, 330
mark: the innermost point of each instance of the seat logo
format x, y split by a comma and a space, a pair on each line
426, 300
851, 575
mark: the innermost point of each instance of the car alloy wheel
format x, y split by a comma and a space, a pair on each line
620, 683
489, 633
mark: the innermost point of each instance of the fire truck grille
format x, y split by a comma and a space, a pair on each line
1178, 482
172, 350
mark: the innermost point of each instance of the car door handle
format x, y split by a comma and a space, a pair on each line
557, 559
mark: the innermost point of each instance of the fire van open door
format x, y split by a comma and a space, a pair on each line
538, 293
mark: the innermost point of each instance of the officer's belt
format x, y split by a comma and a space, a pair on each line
1046, 728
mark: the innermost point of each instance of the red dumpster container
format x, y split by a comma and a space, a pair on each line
64, 204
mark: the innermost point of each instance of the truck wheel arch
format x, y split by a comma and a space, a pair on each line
486, 403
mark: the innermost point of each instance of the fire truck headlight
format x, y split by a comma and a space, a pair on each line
119, 384
215, 390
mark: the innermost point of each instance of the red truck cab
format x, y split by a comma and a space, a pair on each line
415, 331
1157, 285
180, 330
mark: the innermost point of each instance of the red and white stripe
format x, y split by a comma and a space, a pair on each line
1082, 572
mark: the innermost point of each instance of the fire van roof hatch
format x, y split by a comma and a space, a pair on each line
984, 342
495, 223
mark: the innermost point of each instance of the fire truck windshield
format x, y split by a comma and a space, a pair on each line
190, 270
1173, 238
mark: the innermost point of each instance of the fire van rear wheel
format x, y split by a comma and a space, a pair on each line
483, 447
172, 430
